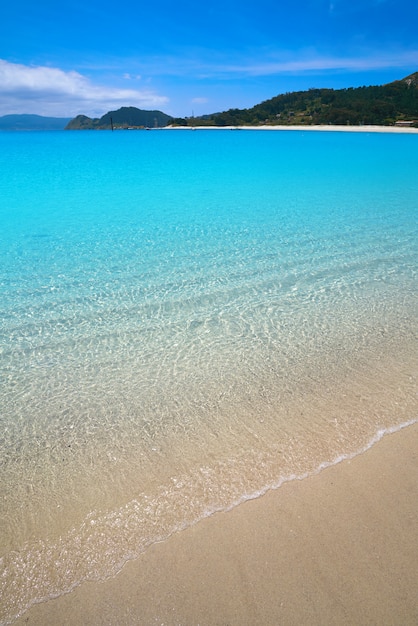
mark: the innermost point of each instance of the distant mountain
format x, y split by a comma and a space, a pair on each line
394, 103
126, 117
32, 122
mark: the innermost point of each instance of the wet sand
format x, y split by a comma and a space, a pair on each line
340, 547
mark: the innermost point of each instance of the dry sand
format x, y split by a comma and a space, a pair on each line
337, 548
328, 127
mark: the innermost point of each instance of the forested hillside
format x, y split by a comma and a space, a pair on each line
383, 105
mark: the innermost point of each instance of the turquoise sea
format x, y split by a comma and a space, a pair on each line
188, 319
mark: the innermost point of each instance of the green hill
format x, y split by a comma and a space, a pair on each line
382, 105
126, 117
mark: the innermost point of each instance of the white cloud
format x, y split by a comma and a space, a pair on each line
200, 100
128, 76
52, 91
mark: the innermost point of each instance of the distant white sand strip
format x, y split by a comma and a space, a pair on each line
328, 128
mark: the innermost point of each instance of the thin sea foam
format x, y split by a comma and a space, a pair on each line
188, 320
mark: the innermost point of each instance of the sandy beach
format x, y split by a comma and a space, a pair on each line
340, 547
326, 128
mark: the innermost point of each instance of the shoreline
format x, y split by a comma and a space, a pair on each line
325, 128
339, 546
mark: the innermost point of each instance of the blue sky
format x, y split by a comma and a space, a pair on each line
188, 57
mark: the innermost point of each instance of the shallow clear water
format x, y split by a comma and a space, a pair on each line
187, 320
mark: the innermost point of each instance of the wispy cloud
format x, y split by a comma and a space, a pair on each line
52, 91
282, 63
312, 63
205, 64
